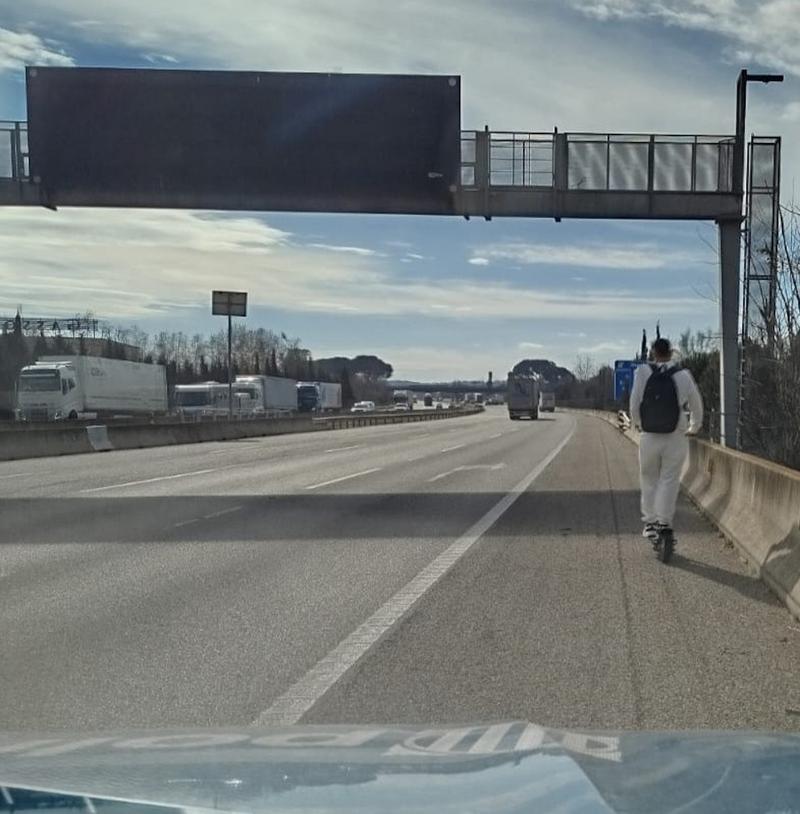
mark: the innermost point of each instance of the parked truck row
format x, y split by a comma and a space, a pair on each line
61, 388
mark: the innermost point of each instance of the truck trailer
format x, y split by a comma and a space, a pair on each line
319, 397
269, 394
523, 396
59, 388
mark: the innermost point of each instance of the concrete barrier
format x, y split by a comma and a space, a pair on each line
43, 441
755, 503
40, 443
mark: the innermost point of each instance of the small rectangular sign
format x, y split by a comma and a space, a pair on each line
623, 378
229, 302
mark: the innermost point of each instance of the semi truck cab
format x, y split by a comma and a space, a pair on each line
49, 391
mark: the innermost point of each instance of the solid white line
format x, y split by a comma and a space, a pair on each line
290, 707
152, 480
221, 512
342, 449
450, 449
344, 477
496, 435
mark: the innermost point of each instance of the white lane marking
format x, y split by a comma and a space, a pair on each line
290, 707
16, 475
221, 512
450, 449
151, 480
467, 468
186, 522
496, 435
342, 449
344, 477
207, 516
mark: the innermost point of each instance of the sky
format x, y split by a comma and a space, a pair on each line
438, 298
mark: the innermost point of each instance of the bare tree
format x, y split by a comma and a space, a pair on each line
584, 367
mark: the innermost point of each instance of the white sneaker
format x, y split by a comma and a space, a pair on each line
650, 531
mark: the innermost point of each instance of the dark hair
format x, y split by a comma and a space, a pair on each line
662, 348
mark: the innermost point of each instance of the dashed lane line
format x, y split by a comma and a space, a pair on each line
450, 449
344, 477
151, 480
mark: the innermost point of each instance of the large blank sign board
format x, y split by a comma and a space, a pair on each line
239, 140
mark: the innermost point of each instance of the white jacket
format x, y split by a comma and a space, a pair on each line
688, 397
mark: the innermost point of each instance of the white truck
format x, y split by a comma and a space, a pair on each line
403, 399
269, 394
319, 397
522, 396
210, 400
59, 388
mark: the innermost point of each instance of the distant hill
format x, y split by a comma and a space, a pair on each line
552, 375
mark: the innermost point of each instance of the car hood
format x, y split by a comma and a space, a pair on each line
507, 767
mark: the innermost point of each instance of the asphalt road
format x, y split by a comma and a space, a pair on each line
471, 569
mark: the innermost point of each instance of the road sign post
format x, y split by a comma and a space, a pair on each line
230, 304
623, 378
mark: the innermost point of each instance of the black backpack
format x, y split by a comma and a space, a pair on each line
660, 409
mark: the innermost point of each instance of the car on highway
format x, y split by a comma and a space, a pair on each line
363, 407
401, 408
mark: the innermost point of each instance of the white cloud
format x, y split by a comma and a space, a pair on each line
18, 49
155, 58
360, 251
766, 32
478, 261
414, 256
604, 347
600, 255
530, 346
126, 264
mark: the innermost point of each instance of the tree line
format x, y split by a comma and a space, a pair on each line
194, 358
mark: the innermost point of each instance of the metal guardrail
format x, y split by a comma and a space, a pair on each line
350, 419
377, 419
607, 162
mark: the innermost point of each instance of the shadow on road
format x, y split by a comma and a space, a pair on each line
750, 587
314, 516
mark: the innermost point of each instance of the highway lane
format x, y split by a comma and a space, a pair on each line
201, 585
195, 600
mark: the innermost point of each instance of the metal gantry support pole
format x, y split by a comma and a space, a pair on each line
230, 370
729, 258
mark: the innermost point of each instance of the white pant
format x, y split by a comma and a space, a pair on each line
661, 459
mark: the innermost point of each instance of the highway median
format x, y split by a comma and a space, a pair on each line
38, 441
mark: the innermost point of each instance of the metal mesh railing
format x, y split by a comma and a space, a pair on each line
14, 150
599, 161
521, 159
645, 163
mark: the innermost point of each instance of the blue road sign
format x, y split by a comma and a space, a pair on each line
623, 378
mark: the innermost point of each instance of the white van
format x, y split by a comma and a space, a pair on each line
547, 402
